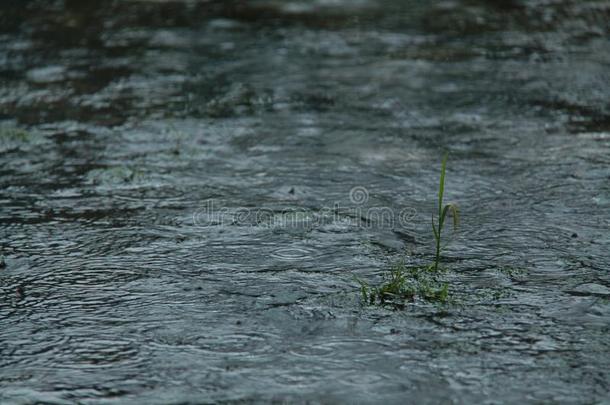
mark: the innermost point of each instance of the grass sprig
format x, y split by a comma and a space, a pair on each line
443, 211
404, 283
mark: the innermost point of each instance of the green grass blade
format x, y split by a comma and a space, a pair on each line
436, 236
455, 213
441, 187
365, 290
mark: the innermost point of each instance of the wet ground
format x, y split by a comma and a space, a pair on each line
188, 189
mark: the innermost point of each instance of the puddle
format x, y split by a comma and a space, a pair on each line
189, 189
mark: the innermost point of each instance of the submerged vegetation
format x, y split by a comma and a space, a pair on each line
11, 138
404, 283
15, 138
407, 283
14, 134
115, 176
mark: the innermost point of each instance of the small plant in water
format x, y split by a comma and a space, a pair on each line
408, 283
437, 229
15, 134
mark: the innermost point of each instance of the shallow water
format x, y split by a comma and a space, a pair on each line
199, 183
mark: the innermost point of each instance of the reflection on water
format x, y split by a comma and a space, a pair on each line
119, 122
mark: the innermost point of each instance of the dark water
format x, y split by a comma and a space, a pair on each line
175, 209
